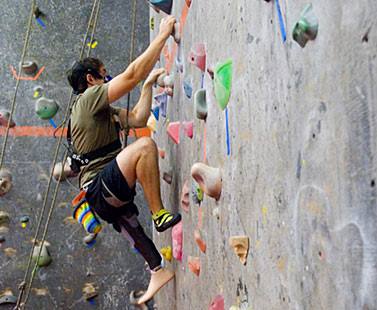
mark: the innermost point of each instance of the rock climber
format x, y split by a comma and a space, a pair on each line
109, 181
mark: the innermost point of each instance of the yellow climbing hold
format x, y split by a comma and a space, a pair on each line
167, 253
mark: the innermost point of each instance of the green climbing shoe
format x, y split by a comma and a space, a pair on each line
163, 220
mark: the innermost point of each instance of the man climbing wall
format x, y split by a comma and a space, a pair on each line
108, 174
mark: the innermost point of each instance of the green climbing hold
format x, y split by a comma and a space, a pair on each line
307, 27
46, 108
223, 82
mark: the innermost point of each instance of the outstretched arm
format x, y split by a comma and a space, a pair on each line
141, 66
138, 117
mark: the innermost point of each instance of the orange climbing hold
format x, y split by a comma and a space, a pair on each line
173, 131
208, 178
194, 264
199, 241
240, 245
161, 153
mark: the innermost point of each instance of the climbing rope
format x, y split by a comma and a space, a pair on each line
24, 285
13, 105
133, 23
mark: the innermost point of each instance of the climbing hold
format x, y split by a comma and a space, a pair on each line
44, 258
211, 73
200, 102
24, 220
169, 81
176, 33
223, 82
208, 178
46, 108
163, 5
89, 238
4, 118
188, 128
173, 131
307, 27
39, 15
197, 56
8, 299
90, 290
167, 177
37, 92
91, 43
194, 264
199, 241
167, 253
188, 3
197, 193
177, 240
161, 153
10, 252
5, 181
162, 100
65, 173
29, 67
179, 59
185, 197
151, 23
187, 88
217, 303
240, 245
152, 123
4, 218
156, 112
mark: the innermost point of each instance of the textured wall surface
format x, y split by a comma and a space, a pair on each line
300, 180
110, 264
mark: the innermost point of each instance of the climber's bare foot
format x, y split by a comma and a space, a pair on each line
158, 280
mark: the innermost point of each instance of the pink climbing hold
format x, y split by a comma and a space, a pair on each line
188, 128
197, 56
185, 197
177, 237
217, 303
173, 131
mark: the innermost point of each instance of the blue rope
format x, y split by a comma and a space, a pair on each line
281, 22
227, 132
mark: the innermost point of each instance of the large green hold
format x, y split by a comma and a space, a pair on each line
45, 258
46, 108
307, 27
223, 82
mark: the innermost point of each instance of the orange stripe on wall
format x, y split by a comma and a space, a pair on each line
34, 131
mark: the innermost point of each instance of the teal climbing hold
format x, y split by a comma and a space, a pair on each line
163, 5
46, 108
307, 27
223, 82
200, 102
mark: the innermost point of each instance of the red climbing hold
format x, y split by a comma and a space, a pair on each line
173, 131
194, 264
177, 237
161, 153
185, 197
188, 128
217, 303
197, 56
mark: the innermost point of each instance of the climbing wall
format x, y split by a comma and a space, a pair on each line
298, 166
110, 265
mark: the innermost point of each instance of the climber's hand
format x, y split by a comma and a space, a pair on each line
167, 26
153, 76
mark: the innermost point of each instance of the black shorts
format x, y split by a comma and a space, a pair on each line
110, 196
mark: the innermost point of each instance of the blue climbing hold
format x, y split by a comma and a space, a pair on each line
187, 88
156, 112
163, 5
162, 100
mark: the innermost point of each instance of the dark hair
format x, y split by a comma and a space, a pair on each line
77, 74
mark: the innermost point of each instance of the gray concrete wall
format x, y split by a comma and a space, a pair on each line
300, 181
111, 264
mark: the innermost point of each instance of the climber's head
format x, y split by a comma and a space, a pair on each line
86, 73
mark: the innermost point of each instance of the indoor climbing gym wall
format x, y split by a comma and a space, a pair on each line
70, 273
266, 124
